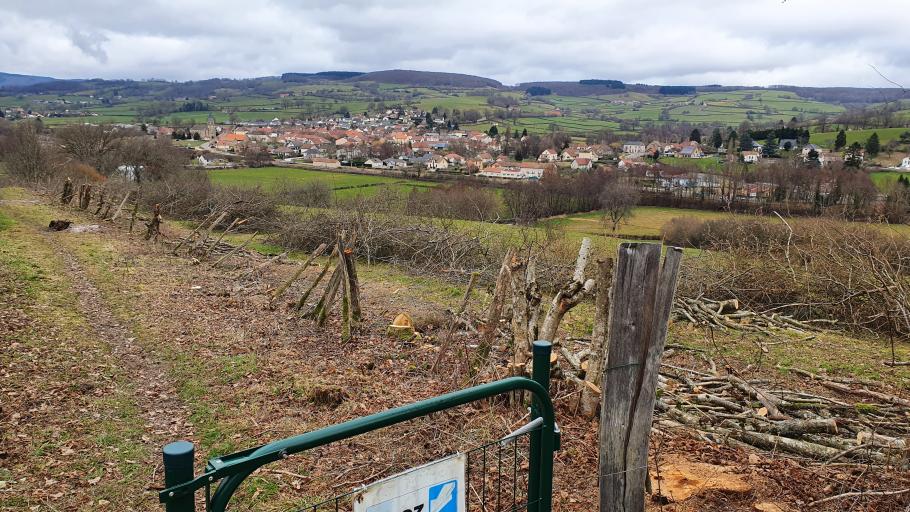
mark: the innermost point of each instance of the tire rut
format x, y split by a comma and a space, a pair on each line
163, 411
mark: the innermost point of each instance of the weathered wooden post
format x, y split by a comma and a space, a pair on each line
639, 312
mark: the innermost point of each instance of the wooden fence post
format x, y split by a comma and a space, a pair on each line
640, 306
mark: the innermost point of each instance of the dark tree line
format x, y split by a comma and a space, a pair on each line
554, 194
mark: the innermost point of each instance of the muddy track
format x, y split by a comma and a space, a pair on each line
154, 394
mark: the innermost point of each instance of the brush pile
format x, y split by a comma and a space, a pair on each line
867, 425
727, 315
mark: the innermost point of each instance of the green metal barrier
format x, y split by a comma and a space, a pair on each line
232, 470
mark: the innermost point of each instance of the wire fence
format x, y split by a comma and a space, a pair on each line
496, 477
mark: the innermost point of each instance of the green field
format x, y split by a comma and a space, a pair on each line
342, 184
885, 135
645, 221
885, 179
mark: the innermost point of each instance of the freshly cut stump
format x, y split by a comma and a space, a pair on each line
681, 479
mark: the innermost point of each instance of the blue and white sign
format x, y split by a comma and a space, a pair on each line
436, 487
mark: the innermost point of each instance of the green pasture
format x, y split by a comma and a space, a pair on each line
885, 135
342, 184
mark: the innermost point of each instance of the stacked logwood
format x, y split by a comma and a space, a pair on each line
732, 410
727, 315
868, 425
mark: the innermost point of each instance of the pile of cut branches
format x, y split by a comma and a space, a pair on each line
726, 314
728, 409
201, 243
732, 410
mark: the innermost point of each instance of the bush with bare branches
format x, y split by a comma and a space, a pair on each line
858, 274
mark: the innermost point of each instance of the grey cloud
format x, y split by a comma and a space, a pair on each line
753, 42
91, 44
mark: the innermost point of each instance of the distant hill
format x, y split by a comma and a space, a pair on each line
576, 88
427, 78
322, 75
14, 80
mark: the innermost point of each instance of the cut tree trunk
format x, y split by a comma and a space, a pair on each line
101, 198
153, 226
589, 398
569, 295
66, 197
494, 312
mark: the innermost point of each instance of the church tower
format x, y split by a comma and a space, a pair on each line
210, 132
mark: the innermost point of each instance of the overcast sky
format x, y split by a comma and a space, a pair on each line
731, 42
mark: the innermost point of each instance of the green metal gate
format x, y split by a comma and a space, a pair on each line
541, 435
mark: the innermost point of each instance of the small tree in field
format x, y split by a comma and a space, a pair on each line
840, 141
873, 146
617, 199
717, 139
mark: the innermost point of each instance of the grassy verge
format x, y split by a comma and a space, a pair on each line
71, 424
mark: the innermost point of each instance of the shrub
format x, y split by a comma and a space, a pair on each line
182, 194
310, 193
684, 232
455, 202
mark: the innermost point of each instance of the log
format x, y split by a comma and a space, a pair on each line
190, 236
892, 399
350, 300
321, 312
767, 400
325, 270
639, 314
797, 427
287, 284
234, 223
208, 231
774, 442
122, 204
235, 250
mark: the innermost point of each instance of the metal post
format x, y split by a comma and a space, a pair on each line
178, 468
541, 448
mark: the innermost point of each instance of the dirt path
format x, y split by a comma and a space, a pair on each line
155, 396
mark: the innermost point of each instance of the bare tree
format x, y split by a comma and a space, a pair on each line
96, 146
25, 156
618, 198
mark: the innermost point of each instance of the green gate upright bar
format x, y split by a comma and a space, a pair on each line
541, 462
178, 469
